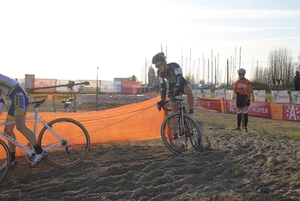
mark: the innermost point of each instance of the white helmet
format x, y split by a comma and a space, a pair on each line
241, 71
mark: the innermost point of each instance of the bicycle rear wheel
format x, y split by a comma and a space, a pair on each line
190, 134
74, 147
5, 157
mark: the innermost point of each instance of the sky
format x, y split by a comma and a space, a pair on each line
69, 39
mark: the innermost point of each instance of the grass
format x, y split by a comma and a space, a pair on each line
256, 125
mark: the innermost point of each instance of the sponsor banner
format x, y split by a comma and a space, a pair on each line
257, 109
196, 93
220, 93
40, 83
129, 87
110, 86
206, 93
291, 112
295, 95
229, 94
209, 104
259, 95
280, 96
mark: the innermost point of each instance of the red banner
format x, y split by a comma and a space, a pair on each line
209, 104
260, 109
291, 112
40, 83
129, 87
257, 109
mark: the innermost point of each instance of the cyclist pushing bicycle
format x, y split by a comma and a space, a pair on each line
17, 112
177, 85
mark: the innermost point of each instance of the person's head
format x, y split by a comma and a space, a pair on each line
297, 72
159, 60
241, 72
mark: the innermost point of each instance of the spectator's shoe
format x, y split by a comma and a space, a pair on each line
12, 165
178, 143
245, 130
38, 158
237, 129
193, 116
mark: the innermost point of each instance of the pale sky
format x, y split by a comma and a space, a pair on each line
69, 39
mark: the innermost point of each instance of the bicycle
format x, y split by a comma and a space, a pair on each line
65, 148
187, 129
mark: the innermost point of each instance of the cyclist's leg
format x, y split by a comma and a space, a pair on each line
9, 128
19, 103
174, 123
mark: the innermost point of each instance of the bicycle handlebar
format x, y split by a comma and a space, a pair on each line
173, 98
165, 103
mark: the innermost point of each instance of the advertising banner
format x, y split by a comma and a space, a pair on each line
229, 94
209, 104
129, 87
295, 95
40, 83
259, 95
206, 93
280, 96
291, 112
110, 86
257, 109
220, 93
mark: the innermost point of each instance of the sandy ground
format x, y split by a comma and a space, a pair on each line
231, 166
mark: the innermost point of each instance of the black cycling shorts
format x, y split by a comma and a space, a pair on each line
241, 100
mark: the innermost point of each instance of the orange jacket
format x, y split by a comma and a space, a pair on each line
243, 87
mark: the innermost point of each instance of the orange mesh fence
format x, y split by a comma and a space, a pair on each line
137, 121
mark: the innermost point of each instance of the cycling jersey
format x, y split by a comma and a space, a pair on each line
7, 85
18, 96
173, 75
243, 87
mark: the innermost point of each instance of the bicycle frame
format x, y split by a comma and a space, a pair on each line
29, 150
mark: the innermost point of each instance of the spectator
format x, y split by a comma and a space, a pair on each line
297, 81
243, 89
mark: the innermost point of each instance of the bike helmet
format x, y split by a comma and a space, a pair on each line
158, 57
241, 71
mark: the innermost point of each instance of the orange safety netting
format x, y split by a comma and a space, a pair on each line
137, 121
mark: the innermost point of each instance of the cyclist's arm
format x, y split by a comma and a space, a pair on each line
178, 73
163, 87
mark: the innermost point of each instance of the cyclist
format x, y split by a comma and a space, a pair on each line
17, 111
177, 84
243, 89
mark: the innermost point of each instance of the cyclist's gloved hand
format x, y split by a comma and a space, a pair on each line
160, 104
248, 102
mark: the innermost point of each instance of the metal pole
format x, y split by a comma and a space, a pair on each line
97, 90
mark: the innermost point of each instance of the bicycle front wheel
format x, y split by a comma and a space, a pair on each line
5, 157
189, 133
74, 146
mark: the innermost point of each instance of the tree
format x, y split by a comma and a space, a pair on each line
280, 66
151, 76
133, 78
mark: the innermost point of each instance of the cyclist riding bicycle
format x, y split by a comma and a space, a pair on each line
177, 85
17, 112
